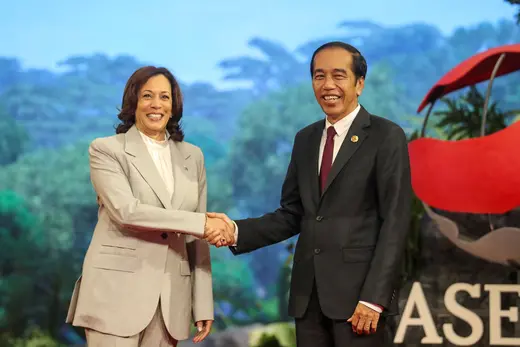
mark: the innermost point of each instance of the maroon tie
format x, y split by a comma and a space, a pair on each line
326, 160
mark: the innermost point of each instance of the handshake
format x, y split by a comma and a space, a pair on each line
219, 230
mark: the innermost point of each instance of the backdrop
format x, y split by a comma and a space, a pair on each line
243, 68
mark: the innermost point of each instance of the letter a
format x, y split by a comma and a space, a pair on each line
417, 299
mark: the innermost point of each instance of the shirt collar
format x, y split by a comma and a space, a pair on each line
343, 124
151, 141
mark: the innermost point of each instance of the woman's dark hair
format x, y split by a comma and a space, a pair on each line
130, 97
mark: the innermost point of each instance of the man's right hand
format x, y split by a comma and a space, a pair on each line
218, 231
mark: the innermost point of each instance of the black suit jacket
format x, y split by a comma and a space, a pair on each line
352, 236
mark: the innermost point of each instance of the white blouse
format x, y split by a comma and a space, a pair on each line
160, 153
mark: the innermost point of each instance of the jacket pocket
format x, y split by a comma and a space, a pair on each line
118, 250
185, 268
358, 254
115, 262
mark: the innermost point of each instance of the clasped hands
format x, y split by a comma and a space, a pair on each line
219, 230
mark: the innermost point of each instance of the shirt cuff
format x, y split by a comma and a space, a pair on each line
236, 235
374, 307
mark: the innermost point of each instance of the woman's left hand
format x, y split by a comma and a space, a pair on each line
204, 328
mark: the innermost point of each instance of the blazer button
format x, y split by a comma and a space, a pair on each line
317, 251
319, 218
164, 236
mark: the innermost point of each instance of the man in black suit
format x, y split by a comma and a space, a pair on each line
347, 194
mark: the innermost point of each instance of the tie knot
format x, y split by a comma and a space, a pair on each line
331, 132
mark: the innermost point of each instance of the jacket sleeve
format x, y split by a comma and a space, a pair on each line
113, 188
394, 197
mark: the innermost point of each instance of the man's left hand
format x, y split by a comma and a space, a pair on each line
364, 320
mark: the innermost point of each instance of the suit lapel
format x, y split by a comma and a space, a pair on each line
180, 170
314, 145
353, 140
143, 162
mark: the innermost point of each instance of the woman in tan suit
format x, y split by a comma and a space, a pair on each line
147, 274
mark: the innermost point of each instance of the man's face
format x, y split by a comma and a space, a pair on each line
334, 83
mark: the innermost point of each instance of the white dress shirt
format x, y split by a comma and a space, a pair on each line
160, 153
342, 127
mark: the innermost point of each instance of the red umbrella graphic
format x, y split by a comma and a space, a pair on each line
480, 67
478, 175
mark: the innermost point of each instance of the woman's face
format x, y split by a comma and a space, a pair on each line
154, 107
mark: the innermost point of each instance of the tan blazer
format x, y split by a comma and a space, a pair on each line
145, 245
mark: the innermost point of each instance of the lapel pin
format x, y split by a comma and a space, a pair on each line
354, 139
185, 168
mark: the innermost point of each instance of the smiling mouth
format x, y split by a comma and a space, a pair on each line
155, 116
330, 97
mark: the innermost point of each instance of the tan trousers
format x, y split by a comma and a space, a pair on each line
154, 335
